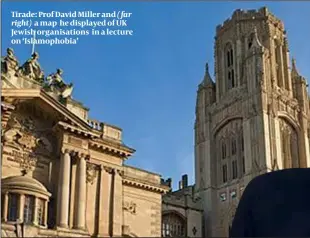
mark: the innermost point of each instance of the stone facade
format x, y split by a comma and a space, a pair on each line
63, 174
182, 212
255, 117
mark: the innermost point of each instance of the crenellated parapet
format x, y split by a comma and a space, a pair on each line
240, 15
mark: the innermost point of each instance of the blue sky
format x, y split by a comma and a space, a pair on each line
146, 84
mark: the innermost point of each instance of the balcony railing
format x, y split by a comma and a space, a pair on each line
108, 131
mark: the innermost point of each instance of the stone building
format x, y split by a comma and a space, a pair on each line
63, 174
181, 212
253, 119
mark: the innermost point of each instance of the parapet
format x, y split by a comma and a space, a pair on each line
107, 131
142, 175
244, 15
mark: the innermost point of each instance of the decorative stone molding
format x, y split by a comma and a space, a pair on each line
120, 172
271, 110
91, 172
27, 161
130, 207
107, 169
6, 110
22, 133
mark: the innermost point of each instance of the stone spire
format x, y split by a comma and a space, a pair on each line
256, 43
207, 80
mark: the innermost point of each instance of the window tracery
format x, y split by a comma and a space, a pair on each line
224, 150
289, 145
230, 144
173, 225
233, 146
230, 74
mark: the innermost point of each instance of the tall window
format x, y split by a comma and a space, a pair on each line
289, 145
224, 171
277, 52
243, 164
12, 207
234, 169
173, 225
28, 209
223, 150
233, 146
250, 40
230, 74
40, 210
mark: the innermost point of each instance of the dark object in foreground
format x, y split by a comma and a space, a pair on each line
275, 204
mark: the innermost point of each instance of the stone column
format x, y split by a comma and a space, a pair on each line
247, 149
81, 193
104, 205
72, 209
5, 207
64, 190
45, 213
266, 143
21, 207
281, 67
278, 143
35, 212
117, 204
238, 62
303, 142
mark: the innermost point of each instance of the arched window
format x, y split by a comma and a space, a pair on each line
289, 145
223, 150
250, 40
173, 225
224, 171
278, 62
233, 146
229, 62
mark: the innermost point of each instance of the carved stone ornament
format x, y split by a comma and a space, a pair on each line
27, 163
32, 69
91, 173
26, 160
119, 172
107, 169
56, 84
130, 207
21, 134
271, 110
9, 62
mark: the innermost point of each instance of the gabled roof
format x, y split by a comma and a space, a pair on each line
40, 94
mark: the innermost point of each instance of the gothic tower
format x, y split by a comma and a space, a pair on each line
254, 119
